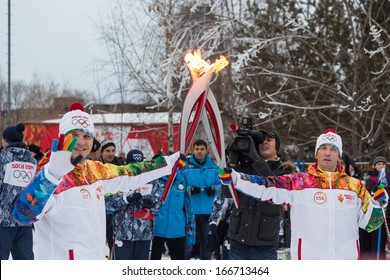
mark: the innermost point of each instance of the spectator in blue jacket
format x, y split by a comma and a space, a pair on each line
201, 176
175, 221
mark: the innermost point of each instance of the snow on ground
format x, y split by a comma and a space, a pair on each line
283, 254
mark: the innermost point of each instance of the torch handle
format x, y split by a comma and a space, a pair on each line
385, 221
169, 182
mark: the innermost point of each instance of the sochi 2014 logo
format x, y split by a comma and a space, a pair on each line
19, 173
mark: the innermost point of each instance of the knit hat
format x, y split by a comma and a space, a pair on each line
134, 156
13, 134
34, 148
77, 119
379, 159
330, 137
107, 143
271, 133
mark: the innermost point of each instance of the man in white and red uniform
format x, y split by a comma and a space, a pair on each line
65, 200
328, 206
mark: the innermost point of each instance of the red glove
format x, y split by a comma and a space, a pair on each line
143, 214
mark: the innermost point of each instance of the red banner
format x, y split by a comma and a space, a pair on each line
150, 139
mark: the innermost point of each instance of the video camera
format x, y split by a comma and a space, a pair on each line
241, 142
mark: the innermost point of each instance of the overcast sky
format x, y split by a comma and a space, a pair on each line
54, 40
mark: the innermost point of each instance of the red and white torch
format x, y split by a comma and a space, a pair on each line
200, 104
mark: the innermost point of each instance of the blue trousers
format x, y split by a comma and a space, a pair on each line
202, 227
240, 251
17, 241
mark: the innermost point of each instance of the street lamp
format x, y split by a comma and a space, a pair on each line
9, 64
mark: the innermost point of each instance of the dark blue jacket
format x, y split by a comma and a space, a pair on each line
17, 168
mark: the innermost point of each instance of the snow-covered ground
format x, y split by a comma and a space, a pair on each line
283, 254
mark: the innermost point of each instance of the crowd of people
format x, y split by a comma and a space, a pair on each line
81, 201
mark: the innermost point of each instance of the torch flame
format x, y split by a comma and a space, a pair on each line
220, 63
198, 65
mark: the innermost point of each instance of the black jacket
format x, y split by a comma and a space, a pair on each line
256, 223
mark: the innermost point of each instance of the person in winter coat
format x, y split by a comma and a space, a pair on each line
65, 200
35, 151
175, 221
254, 226
17, 168
107, 155
369, 240
133, 234
201, 175
328, 206
350, 166
95, 152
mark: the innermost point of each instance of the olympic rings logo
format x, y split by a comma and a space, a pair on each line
22, 176
137, 157
329, 137
81, 123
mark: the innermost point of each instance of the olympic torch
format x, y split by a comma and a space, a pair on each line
200, 105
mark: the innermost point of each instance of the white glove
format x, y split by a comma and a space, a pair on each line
171, 160
235, 177
60, 164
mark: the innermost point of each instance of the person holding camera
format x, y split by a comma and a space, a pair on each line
201, 176
254, 225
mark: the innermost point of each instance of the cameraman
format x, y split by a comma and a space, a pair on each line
254, 226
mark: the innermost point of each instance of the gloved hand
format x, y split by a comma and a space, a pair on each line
195, 190
252, 152
147, 203
382, 177
60, 162
171, 160
225, 175
144, 214
210, 191
133, 198
380, 196
232, 156
182, 161
212, 238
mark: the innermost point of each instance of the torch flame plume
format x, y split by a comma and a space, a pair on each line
198, 65
220, 63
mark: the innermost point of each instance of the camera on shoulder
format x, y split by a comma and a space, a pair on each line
241, 142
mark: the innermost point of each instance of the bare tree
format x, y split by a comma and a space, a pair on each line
296, 66
305, 67
151, 41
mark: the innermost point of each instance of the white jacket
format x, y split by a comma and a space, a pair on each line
69, 215
327, 210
